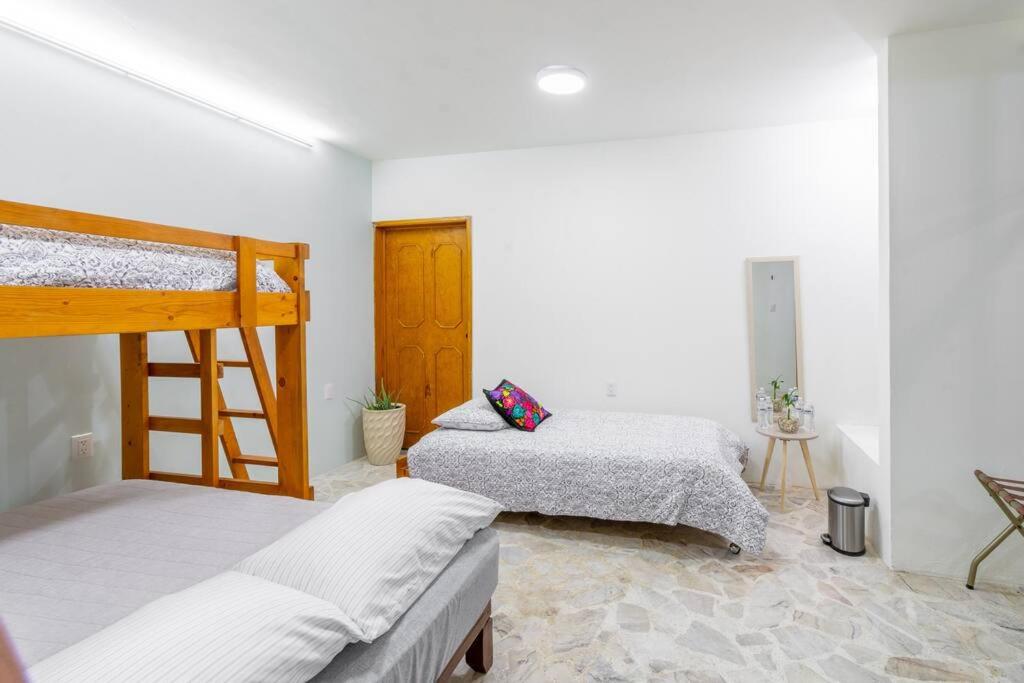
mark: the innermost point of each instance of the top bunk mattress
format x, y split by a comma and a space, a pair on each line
34, 257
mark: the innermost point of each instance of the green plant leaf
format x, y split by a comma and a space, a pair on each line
378, 400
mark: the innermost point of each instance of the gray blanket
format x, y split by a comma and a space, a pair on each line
71, 565
632, 467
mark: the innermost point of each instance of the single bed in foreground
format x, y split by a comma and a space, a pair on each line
77, 564
664, 469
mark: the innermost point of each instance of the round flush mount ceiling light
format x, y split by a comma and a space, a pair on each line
561, 80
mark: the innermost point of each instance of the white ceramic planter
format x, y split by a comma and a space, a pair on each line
383, 431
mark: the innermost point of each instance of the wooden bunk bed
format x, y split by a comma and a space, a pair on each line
32, 311
447, 607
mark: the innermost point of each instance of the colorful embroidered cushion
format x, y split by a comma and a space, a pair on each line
519, 409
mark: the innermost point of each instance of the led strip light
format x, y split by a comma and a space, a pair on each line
134, 75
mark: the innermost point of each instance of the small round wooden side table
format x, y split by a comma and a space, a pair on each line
802, 437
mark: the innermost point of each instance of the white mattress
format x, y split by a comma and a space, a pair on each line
32, 257
420, 645
70, 566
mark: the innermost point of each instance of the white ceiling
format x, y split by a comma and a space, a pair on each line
393, 78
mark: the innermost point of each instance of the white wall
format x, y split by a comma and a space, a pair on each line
883, 497
956, 137
75, 136
624, 262
865, 450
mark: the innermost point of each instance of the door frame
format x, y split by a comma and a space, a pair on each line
379, 299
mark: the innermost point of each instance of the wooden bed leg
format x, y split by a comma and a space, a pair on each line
290, 365
209, 411
480, 654
477, 647
134, 406
293, 465
402, 467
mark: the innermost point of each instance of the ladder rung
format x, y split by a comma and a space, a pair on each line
176, 478
179, 370
238, 412
257, 460
251, 486
180, 425
235, 363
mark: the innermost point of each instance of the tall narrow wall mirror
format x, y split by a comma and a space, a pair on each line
773, 313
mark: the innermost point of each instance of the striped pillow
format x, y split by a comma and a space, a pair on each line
374, 552
233, 627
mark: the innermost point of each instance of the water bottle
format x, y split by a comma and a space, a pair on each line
764, 409
808, 417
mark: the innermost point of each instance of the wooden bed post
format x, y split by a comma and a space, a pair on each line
290, 366
209, 407
246, 269
134, 406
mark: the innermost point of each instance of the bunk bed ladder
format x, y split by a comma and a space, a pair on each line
215, 423
257, 365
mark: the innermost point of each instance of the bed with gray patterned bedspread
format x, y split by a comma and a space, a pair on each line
33, 257
664, 469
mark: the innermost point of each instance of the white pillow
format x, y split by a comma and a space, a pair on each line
476, 415
233, 627
374, 552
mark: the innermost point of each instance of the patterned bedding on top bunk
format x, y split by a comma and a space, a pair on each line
34, 257
664, 469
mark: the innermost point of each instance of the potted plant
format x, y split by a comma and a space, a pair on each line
776, 399
788, 423
383, 426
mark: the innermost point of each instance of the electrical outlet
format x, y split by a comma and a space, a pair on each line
329, 392
612, 390
81, 446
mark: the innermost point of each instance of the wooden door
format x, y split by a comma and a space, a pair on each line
423, 309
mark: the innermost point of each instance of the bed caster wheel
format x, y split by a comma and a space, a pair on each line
734, 549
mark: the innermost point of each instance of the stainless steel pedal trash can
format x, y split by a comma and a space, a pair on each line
846, 520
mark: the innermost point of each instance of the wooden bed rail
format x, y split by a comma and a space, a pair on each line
51, 311
31, 216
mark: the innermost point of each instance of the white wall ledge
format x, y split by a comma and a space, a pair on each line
864, 437
860, 469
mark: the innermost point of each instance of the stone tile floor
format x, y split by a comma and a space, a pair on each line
588, 600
